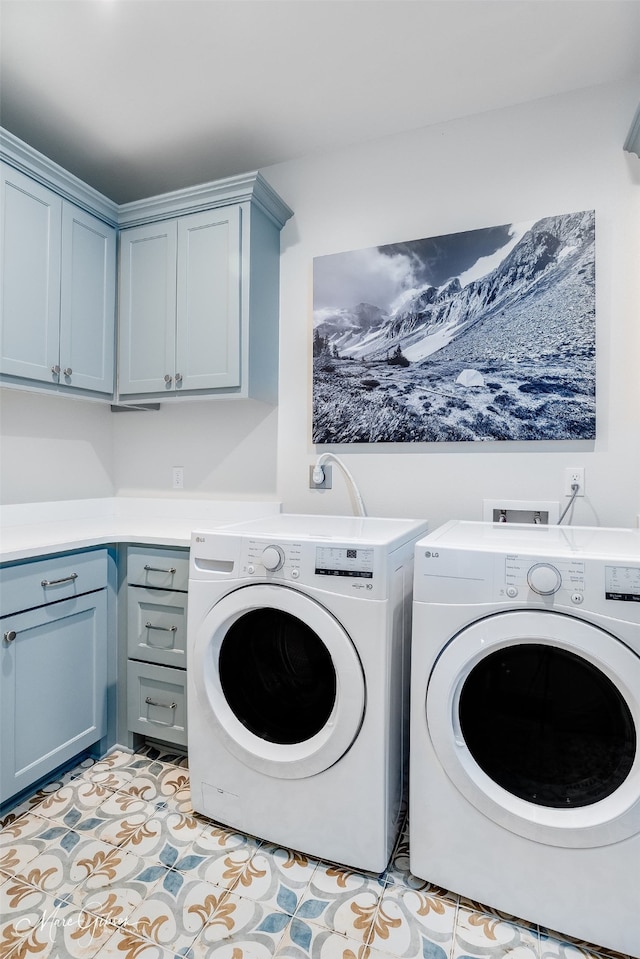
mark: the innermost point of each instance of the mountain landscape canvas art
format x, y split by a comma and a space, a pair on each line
475, 336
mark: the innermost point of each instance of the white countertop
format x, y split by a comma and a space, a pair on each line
28, 530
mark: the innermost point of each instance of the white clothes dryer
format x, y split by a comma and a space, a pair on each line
525, 724
298, 671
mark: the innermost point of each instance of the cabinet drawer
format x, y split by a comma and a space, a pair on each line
160, 568
28, 585
157, 701
157, 626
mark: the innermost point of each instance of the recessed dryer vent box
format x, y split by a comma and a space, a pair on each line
521, 511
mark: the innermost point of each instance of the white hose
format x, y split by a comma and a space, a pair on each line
318, 476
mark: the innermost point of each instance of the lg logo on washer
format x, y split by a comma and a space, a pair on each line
429, 555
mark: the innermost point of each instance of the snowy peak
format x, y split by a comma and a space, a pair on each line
432, 317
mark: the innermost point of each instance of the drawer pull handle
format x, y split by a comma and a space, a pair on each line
10, 635
166, 629
152, 702
57, 582
158, 569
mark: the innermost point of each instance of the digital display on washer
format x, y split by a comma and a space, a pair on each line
622, 583
344, 561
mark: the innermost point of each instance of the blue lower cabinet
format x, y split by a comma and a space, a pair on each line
53, 687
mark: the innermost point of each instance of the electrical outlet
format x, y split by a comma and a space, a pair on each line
573, 475
178, 477
326, 482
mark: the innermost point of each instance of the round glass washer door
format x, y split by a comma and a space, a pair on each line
535, 717
281, 679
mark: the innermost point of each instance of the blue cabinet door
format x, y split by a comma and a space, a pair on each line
53, 687
30, 252
208, 300
87, 301
180, 304
58, 289
147, 308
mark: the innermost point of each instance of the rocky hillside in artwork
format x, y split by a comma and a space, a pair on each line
538, 302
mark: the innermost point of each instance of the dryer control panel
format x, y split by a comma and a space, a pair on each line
349, 569
344, 561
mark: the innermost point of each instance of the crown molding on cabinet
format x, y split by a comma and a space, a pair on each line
39, 167
632, 143
234, 189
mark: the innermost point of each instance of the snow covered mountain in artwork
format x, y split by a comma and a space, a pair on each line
519, 310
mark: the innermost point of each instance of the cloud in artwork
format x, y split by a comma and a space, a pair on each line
385, 275
343, 280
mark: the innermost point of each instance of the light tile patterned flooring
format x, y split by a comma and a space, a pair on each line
110, 861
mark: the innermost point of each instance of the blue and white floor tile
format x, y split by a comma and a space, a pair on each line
109, 861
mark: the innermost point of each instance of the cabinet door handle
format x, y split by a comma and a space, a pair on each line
68, 371
178, 377
10, 635
166, 629
159, 569
168, 377
152, 702
57, 582
55, 370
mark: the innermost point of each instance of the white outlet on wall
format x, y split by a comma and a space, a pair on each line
178, 477
573, 475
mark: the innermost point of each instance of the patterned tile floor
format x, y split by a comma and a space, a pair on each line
110, 861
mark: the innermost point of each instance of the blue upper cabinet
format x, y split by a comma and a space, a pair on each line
30, 262
199, 292
147, 308
58, 272
180, 304
198, 280
87, 301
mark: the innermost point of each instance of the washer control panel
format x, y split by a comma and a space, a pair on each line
545, 579
622, 583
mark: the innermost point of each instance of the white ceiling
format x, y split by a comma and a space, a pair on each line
138, 97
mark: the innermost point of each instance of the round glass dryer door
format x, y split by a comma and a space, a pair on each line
535, 717
281, 679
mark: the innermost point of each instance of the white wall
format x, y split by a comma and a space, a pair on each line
552, 156
53, 448
227, 448
57, 448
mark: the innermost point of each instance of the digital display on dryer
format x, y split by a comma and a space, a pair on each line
344, 561
622, 583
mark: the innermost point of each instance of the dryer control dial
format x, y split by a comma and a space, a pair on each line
272, 558
543, 578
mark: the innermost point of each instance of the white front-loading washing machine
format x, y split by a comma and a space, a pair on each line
298, 643
525, 724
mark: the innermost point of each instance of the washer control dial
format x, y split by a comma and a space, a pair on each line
544, 579
272, 558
